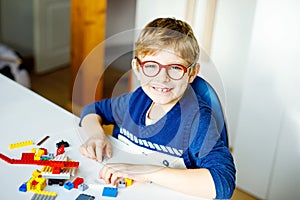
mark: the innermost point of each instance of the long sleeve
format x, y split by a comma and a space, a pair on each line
207, 150
111, 110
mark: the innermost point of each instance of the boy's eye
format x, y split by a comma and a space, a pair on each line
149, 65
176, 67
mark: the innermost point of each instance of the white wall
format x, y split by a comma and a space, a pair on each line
17, 25
230, 46
267, 142
147, 10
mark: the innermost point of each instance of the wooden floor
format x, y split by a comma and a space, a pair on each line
56, 87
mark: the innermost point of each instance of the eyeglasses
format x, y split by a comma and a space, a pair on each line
152, 69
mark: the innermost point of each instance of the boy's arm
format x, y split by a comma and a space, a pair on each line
97, 144
92, 117
196, 182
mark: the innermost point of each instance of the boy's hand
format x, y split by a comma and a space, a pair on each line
96, 147
111, 173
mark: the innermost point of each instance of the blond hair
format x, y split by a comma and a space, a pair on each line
162, 33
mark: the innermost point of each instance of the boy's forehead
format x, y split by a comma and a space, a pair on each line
168, 50
167, 55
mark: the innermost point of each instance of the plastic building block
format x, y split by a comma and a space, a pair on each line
65, 173
64, 176
110, 192
128, 181
21, 144
56, 170
28, 158
36, 157
51, 155
23, 188
45, 157
85, 197
6, 159
121, 183
60, 182
44, 195
77, 182
37, 173
68, 185
82, 187
66, 144
60, 150
43, 140
61, 157
47, 169
42, 151
36, 184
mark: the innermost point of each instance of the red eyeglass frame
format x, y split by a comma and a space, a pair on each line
163, 66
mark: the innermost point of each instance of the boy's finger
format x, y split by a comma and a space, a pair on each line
108, 151
98, 154
83, 151
91, 152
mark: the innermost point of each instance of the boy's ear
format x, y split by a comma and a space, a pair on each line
135, 68
194, 72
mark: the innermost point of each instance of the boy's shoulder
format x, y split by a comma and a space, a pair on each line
205, 92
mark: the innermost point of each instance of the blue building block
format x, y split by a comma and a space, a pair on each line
110, 192
69, 185
85, 197
83, 187
23, 188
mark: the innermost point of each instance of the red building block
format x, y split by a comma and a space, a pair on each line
60, 150
77, 182
6, 159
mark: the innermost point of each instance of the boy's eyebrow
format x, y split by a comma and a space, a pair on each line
176, 62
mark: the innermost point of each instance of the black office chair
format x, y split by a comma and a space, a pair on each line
209, 95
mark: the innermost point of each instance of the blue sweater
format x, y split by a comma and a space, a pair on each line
193, 130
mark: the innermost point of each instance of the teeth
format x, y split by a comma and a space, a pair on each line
163, 89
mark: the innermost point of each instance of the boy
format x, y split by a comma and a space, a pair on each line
167, 115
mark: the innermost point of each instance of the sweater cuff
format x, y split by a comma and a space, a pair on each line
88, 109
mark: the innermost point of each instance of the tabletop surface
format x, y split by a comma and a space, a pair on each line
28, 116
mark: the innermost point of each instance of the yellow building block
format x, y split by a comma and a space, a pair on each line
47, 169
128, 181
36, 173
36, 157
46, 193
21, 144
36, 184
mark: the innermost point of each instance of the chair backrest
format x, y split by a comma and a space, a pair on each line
209, 95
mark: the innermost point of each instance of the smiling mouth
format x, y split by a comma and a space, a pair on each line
162, 90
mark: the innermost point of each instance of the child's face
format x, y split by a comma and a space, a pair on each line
161, 88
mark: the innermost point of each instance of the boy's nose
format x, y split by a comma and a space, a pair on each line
163, 75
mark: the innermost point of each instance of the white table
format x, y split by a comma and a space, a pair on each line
28, 116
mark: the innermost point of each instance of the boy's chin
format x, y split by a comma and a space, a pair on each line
162, 101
